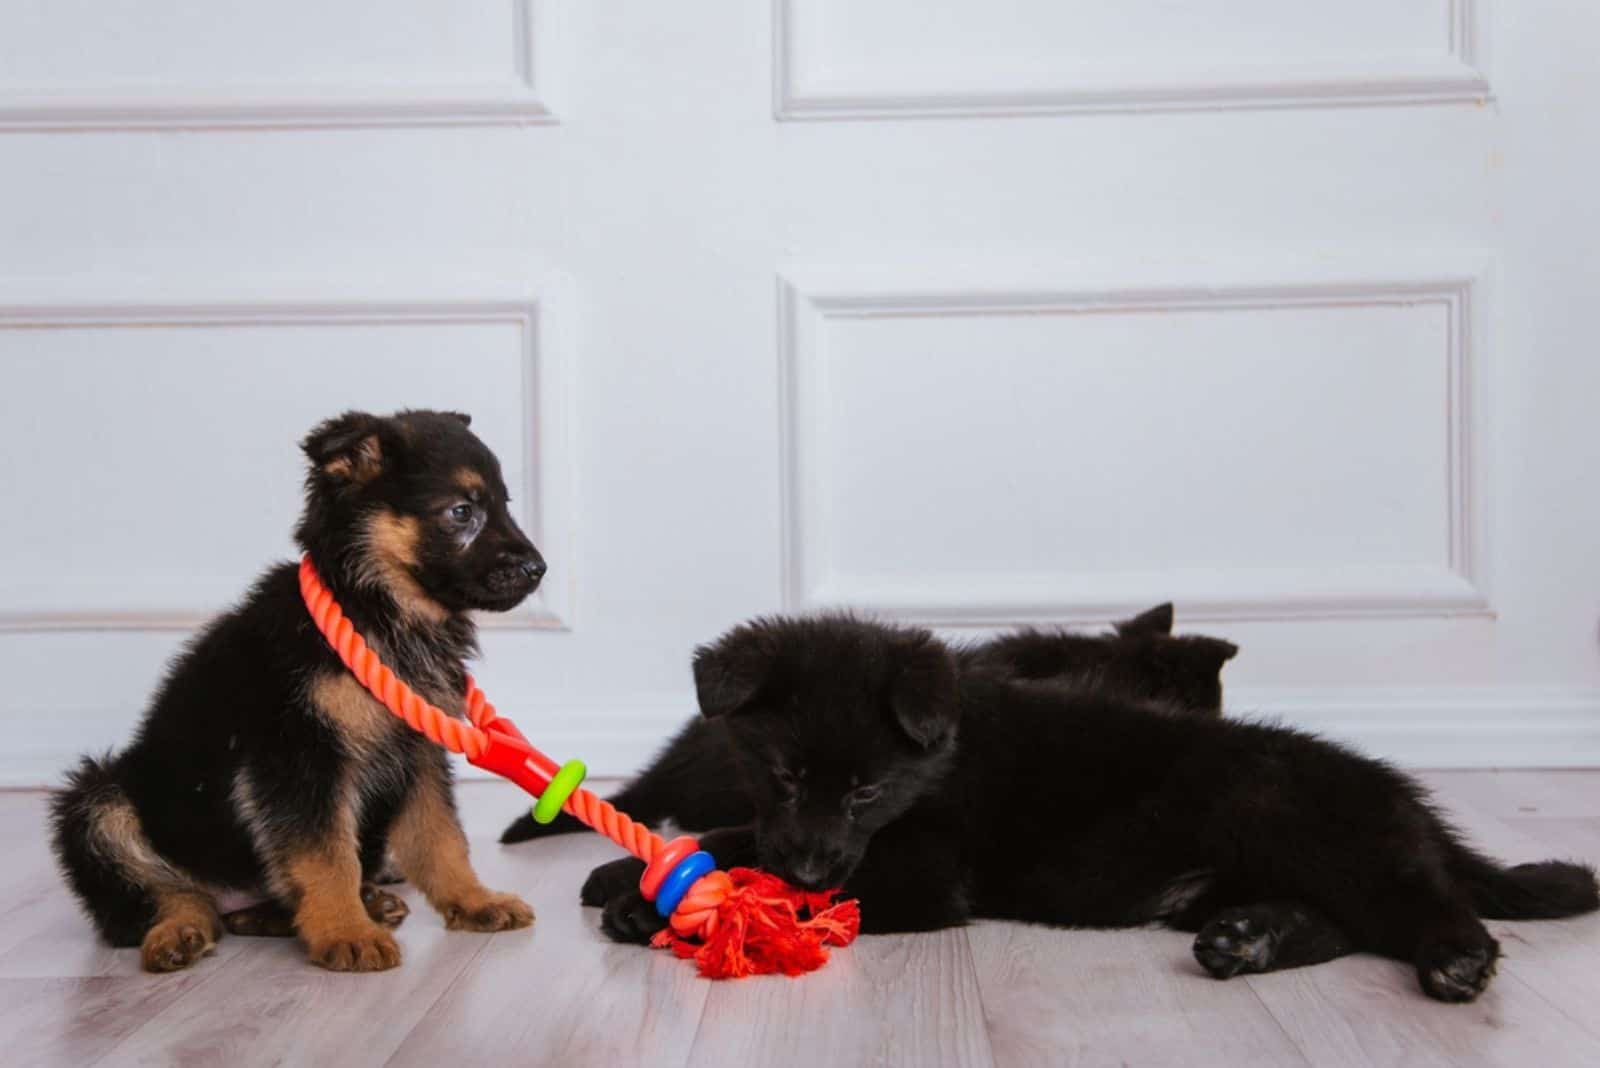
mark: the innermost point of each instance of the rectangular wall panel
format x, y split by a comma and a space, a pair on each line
842, 59
989, 455
155, 468
121, 63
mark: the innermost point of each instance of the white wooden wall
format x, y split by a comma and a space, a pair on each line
965, 311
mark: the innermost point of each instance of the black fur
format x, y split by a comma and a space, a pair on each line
235, 705
868, 762
1140, 659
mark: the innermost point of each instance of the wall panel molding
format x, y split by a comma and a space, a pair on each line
1454, 74
810, 299
534, 309
522, 97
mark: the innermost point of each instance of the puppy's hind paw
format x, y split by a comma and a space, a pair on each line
382, 907
1457, 973
171, 946
264, 920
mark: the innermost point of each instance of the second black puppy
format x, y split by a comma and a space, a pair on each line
935, 796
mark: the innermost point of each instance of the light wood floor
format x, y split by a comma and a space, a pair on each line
993, 993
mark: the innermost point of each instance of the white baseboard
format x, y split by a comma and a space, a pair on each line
1502, 727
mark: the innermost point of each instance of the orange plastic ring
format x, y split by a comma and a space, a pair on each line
662, 864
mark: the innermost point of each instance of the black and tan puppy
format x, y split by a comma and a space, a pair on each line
871, 761
262, 765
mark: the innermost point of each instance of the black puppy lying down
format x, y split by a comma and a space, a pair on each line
696, 782
868, 760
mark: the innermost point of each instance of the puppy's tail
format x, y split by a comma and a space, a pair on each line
525, 827
1545, 890
92, 825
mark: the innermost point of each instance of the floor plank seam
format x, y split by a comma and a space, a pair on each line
977, 985
466, 966
1304, 1054
699, 1026
1586, 1026
198, 984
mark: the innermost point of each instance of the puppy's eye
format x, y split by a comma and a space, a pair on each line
788, 783
461, 513
864, 795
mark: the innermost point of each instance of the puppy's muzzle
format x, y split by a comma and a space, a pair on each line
516, 574
820, 870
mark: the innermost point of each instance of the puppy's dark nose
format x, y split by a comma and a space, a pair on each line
808, 875
811, 873
534, 569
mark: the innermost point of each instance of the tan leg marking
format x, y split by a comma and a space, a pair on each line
431, 850
117, 834
361, 723
187, 928
269, 919
330, 916
186, 925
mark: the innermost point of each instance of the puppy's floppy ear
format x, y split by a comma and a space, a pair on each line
729, 672
348, 448
923, 690
1155, 621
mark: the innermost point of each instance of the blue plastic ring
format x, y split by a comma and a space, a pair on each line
680, 878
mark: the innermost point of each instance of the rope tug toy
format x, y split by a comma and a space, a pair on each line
735, 923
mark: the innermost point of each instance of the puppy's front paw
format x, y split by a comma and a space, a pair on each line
488, 911
1234, 941
171, 946
628, 917
370, 949
610, 880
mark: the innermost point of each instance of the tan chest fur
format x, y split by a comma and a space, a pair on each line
355, 715
363, 723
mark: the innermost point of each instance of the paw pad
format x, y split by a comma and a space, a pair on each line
1233, 943
170, 947
1455, 974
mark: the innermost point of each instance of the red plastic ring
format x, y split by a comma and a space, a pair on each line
662, 864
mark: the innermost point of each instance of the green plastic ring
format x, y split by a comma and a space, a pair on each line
568, 779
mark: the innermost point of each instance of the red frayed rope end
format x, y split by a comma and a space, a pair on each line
746, 922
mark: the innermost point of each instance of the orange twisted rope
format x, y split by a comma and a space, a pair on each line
440, 727
603, 816
740, 922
